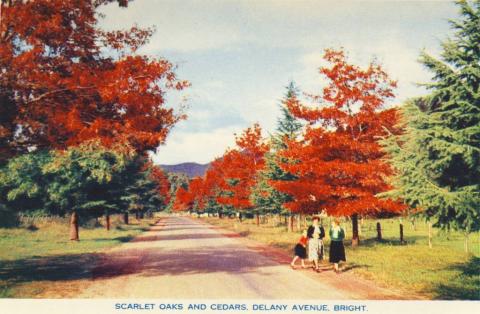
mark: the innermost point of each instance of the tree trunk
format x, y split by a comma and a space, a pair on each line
299, 222
414, 226
360, 227
379, 231
125, 218
355, 237
401, 234
220, 215
141, 214
107, 220
286, 222
136, 215
429, 234
257, 218
290, 224
74, 227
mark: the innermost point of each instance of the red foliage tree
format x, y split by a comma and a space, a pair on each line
230, 178
195, 197
238, 168
339, 163
63, 80
184, 200
158, 175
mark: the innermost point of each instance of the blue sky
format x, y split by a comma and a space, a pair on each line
240, 55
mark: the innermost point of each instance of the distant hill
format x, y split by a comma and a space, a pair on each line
191, 169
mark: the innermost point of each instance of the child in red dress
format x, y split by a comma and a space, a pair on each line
300, 250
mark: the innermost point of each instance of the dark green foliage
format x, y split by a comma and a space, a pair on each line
23, 186
80, 179
437, 159
287, 125
88, 179
264, 196
141, 193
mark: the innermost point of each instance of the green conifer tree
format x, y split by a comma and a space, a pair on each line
437, 158
265, 197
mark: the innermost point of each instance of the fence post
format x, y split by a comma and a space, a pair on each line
401, 233
379, 231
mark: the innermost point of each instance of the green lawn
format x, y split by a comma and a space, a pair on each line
443, 272
32, 259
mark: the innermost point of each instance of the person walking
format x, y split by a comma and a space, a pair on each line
337, 249
300, 250
315, 234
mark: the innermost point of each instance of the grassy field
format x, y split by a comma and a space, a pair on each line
42, 256
443, 272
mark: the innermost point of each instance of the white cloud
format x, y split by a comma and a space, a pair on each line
180, 25
263, 110
239, 55
201, 147
398, 60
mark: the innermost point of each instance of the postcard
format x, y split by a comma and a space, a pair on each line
239, 156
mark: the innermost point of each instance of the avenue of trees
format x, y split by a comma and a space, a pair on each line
345, 153
79, 110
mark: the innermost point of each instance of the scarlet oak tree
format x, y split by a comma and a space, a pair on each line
60, 84
163, 185
230, 178
239, 168
192, 198
339, 163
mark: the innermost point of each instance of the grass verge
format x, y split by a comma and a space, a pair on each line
443, 272
36, 262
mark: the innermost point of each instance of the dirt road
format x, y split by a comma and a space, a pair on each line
185, 258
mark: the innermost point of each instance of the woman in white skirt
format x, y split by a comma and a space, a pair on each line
315, 234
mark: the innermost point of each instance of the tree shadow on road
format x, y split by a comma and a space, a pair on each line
173, 237
180, 228
52, 269
155, 262
465, 287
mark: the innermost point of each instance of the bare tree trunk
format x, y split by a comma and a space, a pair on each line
402, 241
379, 231
360, 227
74, 227
257, 218
355, 236
429, 234
136, 214
290, 224
107, 221
125, 218
299, 222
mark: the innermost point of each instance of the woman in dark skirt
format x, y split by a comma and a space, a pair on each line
300, 250
337, 250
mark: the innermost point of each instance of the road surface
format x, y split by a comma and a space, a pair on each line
188, 259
